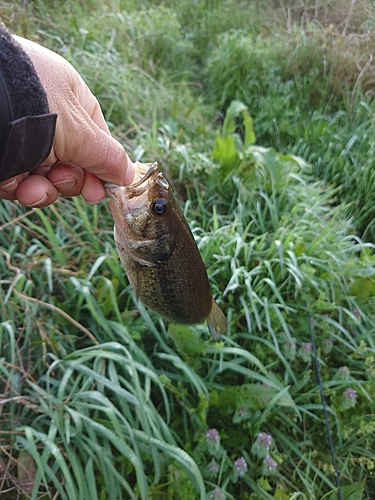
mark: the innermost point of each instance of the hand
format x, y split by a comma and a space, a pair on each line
83, 151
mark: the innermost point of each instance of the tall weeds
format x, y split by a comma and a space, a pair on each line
101, 398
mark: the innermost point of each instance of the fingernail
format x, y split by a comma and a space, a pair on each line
10, 186
39, 202
65, 185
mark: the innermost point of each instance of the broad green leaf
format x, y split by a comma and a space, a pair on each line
250, 137
299, 248
264, 484
281, 495
351, 491
315, 129
362, 289
233, 112
252, 396
322, 305
273, 165
225, 153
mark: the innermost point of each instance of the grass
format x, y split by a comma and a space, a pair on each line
101, 398
310, 88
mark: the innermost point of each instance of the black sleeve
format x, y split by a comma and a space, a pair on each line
27, 128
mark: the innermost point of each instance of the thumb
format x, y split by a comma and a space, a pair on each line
82, 138
107, 159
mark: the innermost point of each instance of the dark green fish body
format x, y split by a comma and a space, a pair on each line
159, 253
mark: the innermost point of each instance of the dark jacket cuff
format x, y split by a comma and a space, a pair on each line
27, 128
28, 143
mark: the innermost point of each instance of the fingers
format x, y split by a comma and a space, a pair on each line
83, 152
82, 136
81, 141
71, 180
93, 190
8, 188
43, 185
67, 178
36, 191
98, 152
46, 183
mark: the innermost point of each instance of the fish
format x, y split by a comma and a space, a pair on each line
158, 251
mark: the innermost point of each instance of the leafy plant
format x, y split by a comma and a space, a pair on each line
101, 398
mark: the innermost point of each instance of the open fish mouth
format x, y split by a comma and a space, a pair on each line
135, 193
143, 172
128, 202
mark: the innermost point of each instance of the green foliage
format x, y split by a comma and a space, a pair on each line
203, 20
138, 68
281, 91
228, 147
250, 397
308, 97
234, 153
245, 68
341, 149
352, 492
102, 399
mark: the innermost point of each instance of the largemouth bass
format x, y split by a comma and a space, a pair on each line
159, 253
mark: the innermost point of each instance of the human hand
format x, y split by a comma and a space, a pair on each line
83, 151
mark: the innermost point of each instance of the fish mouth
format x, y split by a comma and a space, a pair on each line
143, 171
152, 168
119, 196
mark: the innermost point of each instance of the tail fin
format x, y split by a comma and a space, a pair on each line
216, 321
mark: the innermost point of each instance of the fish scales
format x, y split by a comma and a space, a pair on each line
159, 253
178, 287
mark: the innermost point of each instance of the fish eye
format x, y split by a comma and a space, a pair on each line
159, 207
